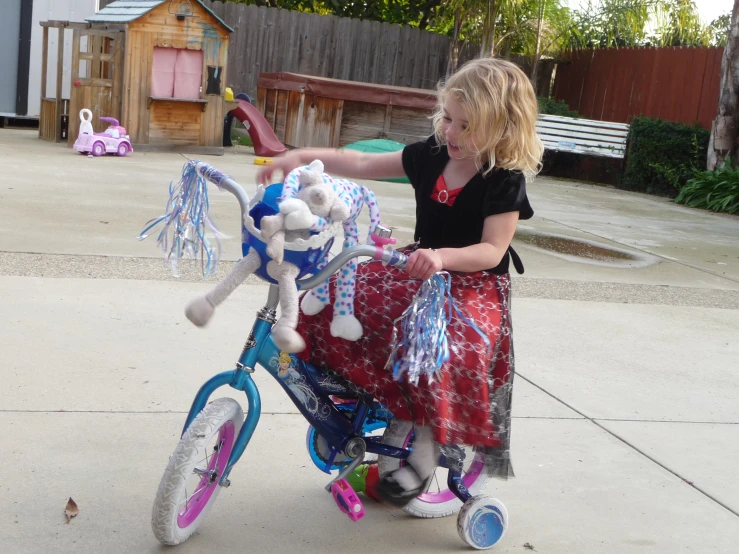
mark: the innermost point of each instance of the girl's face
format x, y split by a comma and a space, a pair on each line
453, 125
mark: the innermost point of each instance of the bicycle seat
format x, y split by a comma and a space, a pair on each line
305, 254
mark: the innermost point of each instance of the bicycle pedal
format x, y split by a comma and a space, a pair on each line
347, 500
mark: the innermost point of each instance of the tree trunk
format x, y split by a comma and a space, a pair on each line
453, 60
537, 53
722, 143
487, 46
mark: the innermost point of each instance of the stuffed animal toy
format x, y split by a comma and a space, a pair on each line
314, 208
313, 204
343, 324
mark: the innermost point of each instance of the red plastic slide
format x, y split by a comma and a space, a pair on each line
265, 141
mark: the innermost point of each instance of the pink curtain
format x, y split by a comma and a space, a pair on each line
176, 73
162, 72
188, 73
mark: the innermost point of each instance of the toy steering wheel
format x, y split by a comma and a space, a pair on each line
86, 123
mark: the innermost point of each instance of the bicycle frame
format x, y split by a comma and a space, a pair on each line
309, 388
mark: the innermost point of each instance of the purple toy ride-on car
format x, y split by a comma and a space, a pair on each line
113, 140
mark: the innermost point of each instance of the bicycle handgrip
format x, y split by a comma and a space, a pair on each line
210, 173
224, 182
390, 256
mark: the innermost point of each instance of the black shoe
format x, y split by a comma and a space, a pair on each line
393, 493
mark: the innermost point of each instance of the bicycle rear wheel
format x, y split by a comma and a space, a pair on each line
437, 500
190, 484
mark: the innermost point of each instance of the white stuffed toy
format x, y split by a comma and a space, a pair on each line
314, 202
315, 207
344, 324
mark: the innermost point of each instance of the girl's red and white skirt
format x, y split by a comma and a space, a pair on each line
470, 401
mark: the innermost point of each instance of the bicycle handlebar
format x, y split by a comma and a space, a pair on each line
387, 256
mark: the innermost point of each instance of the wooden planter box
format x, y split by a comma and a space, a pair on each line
321, 112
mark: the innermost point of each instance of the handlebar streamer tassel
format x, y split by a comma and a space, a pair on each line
420, 340
186, 221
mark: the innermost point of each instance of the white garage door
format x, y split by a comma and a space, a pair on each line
10, 25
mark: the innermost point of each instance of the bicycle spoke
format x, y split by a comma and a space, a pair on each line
203, 471
436, 478
207, 461
197, 491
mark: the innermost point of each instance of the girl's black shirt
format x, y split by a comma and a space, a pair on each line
442, 226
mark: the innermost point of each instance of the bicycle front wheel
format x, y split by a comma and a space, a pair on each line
190, 484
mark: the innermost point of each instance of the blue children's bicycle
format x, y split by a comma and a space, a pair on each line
344, 426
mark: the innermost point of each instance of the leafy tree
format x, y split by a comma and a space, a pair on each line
679, 24
409, 12
612, 23
719, 29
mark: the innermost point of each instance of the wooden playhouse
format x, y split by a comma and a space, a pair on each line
158, 66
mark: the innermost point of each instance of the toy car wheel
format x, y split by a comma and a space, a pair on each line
98, 149
123, 149
482, 522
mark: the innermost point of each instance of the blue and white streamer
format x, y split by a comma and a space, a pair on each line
186, 221
421, 346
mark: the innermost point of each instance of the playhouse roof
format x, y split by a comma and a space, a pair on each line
125, 11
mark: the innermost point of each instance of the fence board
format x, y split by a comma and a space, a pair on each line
676, 84
708, 108
271, 40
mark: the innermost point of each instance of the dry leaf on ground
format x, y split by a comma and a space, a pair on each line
71, 510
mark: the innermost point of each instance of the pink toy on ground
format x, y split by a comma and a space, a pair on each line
113, 140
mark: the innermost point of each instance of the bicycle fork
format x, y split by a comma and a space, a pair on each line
240, 379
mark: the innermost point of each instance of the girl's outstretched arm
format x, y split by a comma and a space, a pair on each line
346, 163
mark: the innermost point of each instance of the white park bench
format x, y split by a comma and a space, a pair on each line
583, 136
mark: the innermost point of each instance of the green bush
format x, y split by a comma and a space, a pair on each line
662, 155
716, 190
550, 106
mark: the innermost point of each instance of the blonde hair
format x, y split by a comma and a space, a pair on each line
285, 357
500, 105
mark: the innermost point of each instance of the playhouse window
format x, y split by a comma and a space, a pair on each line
177, 73
214, 80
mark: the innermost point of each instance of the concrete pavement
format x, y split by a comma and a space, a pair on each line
626, 422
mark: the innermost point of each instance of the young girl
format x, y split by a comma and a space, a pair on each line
469, 180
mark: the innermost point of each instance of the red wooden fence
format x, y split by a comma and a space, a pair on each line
676, 84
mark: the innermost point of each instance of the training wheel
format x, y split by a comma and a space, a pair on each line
482, 522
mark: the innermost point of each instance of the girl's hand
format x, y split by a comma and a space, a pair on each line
422, 264
285, 163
